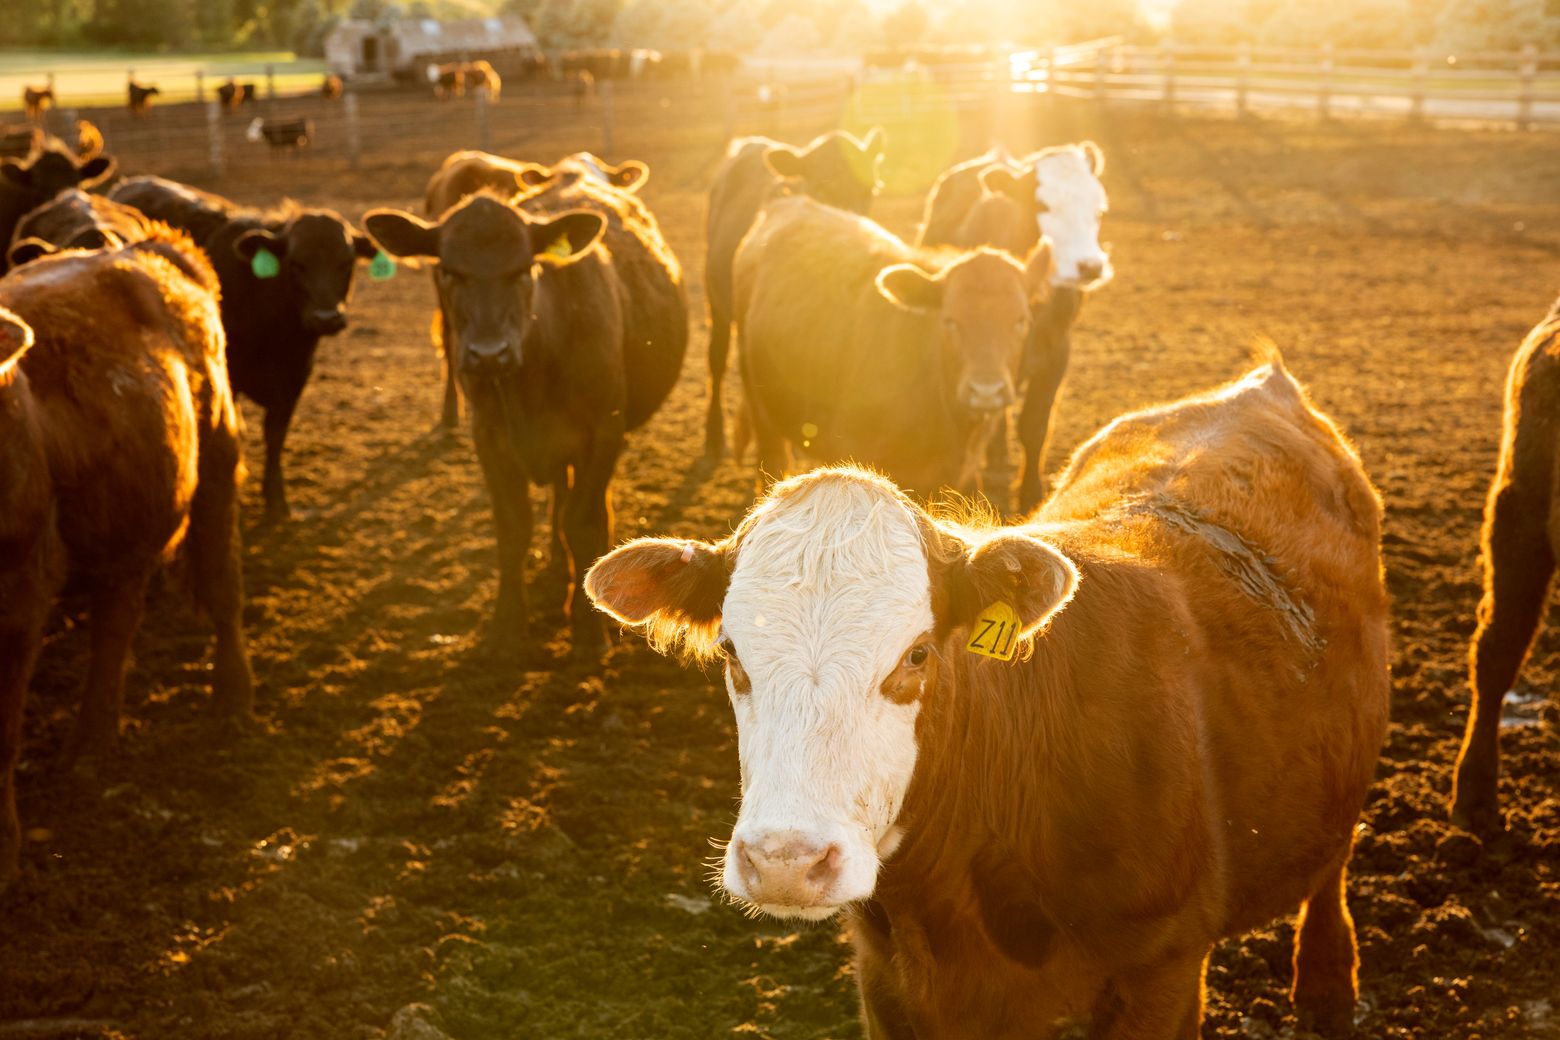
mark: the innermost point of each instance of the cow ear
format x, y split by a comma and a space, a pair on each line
785, 162
630, 176
907, 286
999, 180
1096, 158
96, 238
1018, 570
96, 170
671, 590
15, 173
564, 238
533, 175
364, 246
16, 336
872, 144
401, 234
28, 250
252, 241
1039, 268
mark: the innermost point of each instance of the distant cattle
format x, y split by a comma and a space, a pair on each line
993, 200
75, 219
35, 100
50, 169
232, 94
286, 277
481, 76
140, 97
118, 443
448, 81
535, 316
582, 86
854, 345
1519, 545
289, 134
331, 87
836, 168
1044, 769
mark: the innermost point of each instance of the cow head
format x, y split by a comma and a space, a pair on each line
837, 608
489, 255
53, 168
318, 253
1071, 202
836, 169
983, 301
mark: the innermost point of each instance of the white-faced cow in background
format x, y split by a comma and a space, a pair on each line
1047, 767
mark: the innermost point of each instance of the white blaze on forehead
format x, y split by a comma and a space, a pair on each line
1072, 202
829, 590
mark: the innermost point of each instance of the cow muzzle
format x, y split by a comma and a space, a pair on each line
1089, 273
487, 358
787, 873
325, 321
988, 396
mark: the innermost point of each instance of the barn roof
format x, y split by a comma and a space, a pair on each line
429, 36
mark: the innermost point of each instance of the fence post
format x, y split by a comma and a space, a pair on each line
1527, 68
270, 82
484, 126
604, 91
1242, 78
1325, 84
1416, 102
214, 136
354, 138
200, 87
1167, 64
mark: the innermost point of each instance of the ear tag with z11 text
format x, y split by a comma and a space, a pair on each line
381, 268
995, 633
264, 264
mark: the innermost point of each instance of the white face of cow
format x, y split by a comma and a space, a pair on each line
829, 594
1072, 203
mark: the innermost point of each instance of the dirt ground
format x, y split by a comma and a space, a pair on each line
522, 847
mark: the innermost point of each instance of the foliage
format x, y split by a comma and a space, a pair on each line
663, 24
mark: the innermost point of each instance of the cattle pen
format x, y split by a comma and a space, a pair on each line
421, 839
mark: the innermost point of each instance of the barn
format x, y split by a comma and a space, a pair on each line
372, 50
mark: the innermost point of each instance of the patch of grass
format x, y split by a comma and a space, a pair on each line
84, 78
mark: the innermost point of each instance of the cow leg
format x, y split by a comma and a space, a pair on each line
557, 572
451, 416
507, 485
272, 485
1160, 1002
1519, 561
720, 349
20, 638
587, 528
1326, 960
116, 614
1034, 433
216, 557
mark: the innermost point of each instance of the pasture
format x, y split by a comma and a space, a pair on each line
522, 845
96, 78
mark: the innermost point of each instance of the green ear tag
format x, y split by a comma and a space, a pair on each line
265, 264
381, 268
560, 247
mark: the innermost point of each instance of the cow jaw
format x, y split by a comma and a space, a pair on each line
830, 589
1072, 202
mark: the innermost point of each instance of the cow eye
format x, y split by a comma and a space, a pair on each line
916, 656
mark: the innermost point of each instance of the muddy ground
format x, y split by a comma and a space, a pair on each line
522, 847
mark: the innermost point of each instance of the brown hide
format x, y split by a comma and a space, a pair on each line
132, 419
1519, 544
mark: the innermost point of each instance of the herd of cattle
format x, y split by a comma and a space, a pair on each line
1044, 767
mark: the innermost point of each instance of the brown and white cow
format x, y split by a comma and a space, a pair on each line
1175, 748
855, 345
837, 168
1519, 544
118, 444
997, 201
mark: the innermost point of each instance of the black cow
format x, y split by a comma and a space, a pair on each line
76, 220
52, 168
274, 308
140, 97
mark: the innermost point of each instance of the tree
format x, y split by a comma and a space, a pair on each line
906, 25
737, 28
574, 23
1495, 25
1219, 22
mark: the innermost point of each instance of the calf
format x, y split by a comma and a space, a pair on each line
1045, 768
35, 100
837, 168
448, 80
118, 443
331, 87
275, 311
856, 345
233, 94
1055, 192
50, 169
534, 316
281, 133
140, 97
1519, 544
76, 220
480, 76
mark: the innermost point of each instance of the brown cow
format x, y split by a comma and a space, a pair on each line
140, 97
35, 100
448, 80
837, 168
331, 87
77, 220
997, 201
479, 75
534, 317
1045, 768
856, 345
233, 94
1519, 545
120, 443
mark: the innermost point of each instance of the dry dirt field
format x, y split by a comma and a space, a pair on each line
521, 846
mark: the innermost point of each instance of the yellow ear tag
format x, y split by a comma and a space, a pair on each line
995, 633
560, 247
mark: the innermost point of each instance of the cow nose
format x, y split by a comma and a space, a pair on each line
489, 357
328, 321
787, 869
1090, 270
987, 397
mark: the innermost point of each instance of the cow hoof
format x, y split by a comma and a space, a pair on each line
1330, 1019
1478, 817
